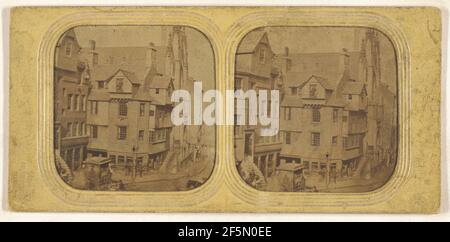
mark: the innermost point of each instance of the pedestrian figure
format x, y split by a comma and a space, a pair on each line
121, 186
139, 168
323, 173
128, 168
334, 175
90, 177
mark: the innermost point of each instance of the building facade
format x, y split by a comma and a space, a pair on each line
72, 86
323, 125
255, 71
129, 107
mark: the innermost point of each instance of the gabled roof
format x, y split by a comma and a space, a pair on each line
132, 59
129, 75
292, 101
322, 81
251, 40
296, 79
160, 82
98, 95
353, 87
336, 101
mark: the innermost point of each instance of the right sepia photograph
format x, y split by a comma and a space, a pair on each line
336, 108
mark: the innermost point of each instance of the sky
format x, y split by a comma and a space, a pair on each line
201, 56
200, 53
332, 39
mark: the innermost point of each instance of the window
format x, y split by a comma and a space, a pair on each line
121, 132
151, 113
315, 139
350, 97
69, 129
68, 48
123, 109
316, 115
262, 55
306, 164
77, 154
142, 109
75, 102
238, 84
119, 85
80, 129
288, 65
113, 158
334, 140
82, 99
344, 118
94, 107
151, 136
294, 91
288, 138
141, 135
95, 60
120, 159
101, 84
313, 90
345, 142
157, 90
94, 131
287, 113
69, 155
69, 101
74, 129
335, 115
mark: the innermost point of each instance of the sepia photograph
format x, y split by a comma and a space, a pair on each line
337, 109
112, 118
241, 113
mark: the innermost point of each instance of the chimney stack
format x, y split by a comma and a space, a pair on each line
346, 56
92, 45
150, 57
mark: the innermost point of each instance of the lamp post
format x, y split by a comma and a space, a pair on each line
134, 162
328, 169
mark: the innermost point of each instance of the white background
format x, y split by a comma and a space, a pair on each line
6, 215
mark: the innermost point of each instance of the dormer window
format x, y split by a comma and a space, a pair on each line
294, 91
95, 59
69, 49
119, 85
313, 90
262, 55
288, 65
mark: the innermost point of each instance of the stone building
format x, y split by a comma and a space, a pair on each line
129, 107
323, 118
72, 85
255, 71
347, 114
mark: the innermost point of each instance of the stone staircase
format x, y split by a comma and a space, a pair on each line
169, 164
63, 169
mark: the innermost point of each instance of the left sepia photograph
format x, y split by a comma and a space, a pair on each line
112, 108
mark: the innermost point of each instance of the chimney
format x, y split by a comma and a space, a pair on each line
150, 57
164, 36
286, 51
92, 45
346, 63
